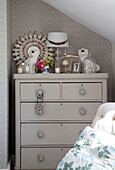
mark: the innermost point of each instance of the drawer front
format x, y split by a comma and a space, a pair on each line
29, 91
41, 158
82, 91
45, 134
60, 111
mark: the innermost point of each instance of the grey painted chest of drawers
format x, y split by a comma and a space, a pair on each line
70, 103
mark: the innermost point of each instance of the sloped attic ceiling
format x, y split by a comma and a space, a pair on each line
97, 15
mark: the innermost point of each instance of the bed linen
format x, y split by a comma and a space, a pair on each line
89, 153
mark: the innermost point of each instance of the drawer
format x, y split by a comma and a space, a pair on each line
60, 111
42, 158
50, 134
82, 91
29, 91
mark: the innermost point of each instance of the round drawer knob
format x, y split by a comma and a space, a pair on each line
41, 134
40, 157
82, 91
82, 111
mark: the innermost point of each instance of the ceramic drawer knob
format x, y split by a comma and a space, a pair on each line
82, 91
41, 134
82, 111
40, 157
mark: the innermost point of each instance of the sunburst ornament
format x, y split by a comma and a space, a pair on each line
23, 47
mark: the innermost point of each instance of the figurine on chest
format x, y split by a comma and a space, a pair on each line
88, 63
34, 53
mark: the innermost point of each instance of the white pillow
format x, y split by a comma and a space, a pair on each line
106, 124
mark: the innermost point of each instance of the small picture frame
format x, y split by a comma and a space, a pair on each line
76, 67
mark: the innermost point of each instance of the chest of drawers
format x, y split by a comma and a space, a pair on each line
70, 102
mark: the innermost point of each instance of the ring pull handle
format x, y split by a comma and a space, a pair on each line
82, 91
41, 134
41, 157
82, 111
40, 105
40, 94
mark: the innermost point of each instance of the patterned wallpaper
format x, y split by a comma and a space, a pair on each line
36, 15
5, 60
9, 68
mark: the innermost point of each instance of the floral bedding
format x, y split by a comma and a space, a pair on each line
89, 153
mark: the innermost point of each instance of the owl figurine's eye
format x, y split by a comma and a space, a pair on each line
33, 51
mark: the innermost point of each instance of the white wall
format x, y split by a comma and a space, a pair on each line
113, 69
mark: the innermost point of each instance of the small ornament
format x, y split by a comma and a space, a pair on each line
88, 62
57, 70
45, 69
21, 68
65, 62
89, 65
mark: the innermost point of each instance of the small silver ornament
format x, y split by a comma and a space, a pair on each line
65, 62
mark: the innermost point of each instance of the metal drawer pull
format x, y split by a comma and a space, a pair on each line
82, 111
40, 93
41, 134
82, 91
40, 106
41, 157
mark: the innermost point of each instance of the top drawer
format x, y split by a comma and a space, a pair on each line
82, 91
50, 91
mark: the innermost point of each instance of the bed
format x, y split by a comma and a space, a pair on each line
95, 147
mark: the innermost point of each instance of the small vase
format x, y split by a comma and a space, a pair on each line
45, 69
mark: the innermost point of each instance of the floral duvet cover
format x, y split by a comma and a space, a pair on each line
89, 153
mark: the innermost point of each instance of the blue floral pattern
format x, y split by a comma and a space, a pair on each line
85, 157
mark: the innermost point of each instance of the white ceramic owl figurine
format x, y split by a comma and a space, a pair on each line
34, 53
89, 66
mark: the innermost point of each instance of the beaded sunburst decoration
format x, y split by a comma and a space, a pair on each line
20, 50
